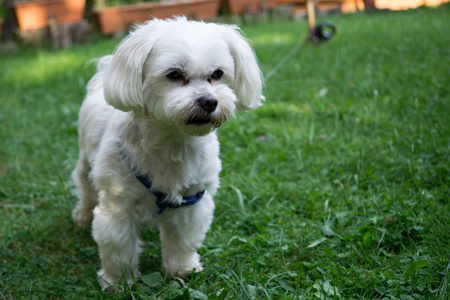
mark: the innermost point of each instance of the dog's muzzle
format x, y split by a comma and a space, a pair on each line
200, 113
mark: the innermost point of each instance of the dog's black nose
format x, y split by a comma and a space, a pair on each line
208, 102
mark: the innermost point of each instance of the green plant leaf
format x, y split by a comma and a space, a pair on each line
418, 264
317, 242
153, 279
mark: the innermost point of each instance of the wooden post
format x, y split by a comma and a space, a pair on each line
310, 10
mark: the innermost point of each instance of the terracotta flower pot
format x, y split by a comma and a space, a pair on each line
37, 14
116, 19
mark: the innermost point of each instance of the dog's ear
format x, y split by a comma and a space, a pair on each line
124, 78
248, 82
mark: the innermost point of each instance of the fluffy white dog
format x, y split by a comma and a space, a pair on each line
149, 154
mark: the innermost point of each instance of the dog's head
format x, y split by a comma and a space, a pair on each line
190, 74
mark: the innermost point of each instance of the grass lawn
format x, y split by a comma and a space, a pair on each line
337, 188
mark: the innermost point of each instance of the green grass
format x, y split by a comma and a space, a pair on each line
337, 188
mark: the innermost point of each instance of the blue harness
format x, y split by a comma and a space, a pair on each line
160, 196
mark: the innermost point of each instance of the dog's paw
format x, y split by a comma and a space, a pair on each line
175, 267
82, 217
105, 281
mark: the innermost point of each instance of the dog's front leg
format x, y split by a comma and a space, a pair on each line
182, 237
116, 233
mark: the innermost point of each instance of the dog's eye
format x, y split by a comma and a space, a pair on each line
175, 75
217, 74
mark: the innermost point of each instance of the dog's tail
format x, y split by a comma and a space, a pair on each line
96, 83
103, 62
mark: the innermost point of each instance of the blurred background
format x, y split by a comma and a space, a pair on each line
64, 22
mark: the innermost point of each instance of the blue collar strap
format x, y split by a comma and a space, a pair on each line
160, 196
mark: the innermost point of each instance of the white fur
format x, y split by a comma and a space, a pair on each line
131, 103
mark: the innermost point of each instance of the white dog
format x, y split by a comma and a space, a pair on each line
149, 155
